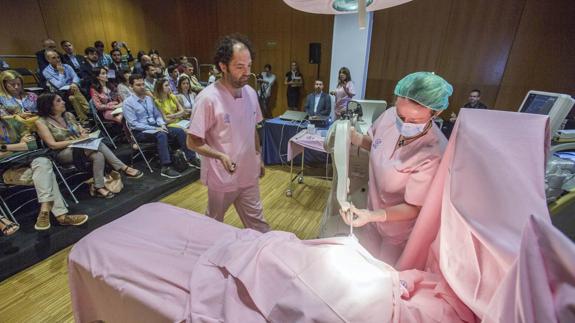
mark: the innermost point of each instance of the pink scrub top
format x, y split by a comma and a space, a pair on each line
228, 125
403, 176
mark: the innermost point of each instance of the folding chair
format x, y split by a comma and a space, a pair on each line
99, 123
3, 186
140, 151
37, 88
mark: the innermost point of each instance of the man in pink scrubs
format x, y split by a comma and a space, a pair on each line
405, 151
223, 130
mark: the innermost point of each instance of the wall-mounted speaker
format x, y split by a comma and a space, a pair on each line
314, 53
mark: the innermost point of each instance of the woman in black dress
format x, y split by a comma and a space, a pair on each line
294, 81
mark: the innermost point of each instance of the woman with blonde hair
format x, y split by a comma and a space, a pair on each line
14, 100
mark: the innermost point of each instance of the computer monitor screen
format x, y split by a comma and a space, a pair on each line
555, 105
538, 103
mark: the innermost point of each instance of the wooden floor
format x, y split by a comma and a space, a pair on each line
40, 293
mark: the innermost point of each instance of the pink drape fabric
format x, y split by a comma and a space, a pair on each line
540, 285
137, 268
490, 181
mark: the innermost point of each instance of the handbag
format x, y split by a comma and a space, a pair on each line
18, 176
112, 182
179, 161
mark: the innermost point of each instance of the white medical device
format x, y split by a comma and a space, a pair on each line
556, 106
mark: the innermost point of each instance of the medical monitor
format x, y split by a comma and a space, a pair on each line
556, 106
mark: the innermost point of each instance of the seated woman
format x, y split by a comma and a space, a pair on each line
14, 100
16, 137
8, 227
168, 104
123, 89
103, 97
59, 129
185, 94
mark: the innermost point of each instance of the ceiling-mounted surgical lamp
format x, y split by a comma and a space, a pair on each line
338, 7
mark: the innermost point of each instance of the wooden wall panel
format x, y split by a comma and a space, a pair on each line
198, 26
123, 21
80, 22
19, 18
543, 54
279, 35
503, 47
476, 47
404, 40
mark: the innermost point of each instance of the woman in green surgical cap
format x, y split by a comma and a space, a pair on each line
405, 151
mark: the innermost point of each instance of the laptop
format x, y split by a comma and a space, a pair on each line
294, 115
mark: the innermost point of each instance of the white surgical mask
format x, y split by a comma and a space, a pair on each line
409, 129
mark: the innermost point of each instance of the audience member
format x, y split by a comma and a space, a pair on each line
124, 90
318, 103
60, 76
151, 77
168, 104
69, 57
214, 74
59, 129
266, 81
344, 91
139, 65
89, 64
117, 64
126, 58
157, 59
194, 83
105, 100
474, 100
16, 137
80, 104
13, 99
182, 61
104, 58
294, 82
3, 65
173, 75
185, 94
8, 227
47, 44
223, 130
148, 125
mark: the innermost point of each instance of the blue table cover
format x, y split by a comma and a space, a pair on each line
276, 135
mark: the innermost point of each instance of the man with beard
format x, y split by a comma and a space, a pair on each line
221, 129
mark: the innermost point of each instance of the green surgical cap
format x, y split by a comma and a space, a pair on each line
425, 88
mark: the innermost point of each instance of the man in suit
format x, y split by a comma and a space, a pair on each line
318, 103
69, 57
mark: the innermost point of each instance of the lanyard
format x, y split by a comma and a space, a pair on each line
187, 96
151, 118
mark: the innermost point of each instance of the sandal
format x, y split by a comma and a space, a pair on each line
9, 227
138, 173
96, 193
